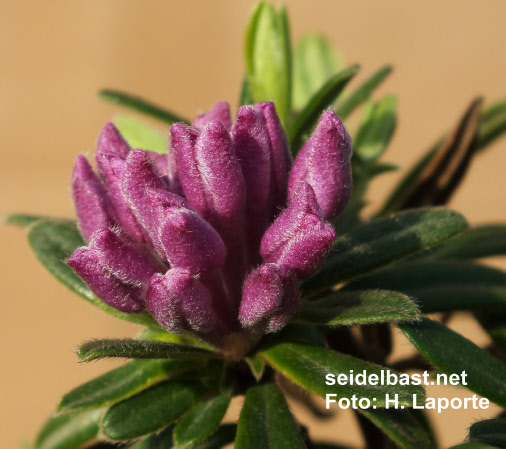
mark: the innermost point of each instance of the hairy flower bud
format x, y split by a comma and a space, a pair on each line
179, 301
93, 206
324, 163
299, 238
270, 297
220, 111
114, 292
210, 173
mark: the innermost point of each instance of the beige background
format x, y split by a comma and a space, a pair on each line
187, 55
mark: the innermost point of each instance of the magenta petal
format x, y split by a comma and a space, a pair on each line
270, 297
220, 111
210, 173
122, 258
111, 141
190, 242
299, 238
117, 294
281, 161
324, 163
180, 302
93, 206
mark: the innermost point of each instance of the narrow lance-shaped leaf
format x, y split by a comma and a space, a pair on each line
358, 307
384, 241
452, 354
377, 129
139, 349
401, 427
470, 445
442, 286
70, 430
185, 338
53, 241
23, 220
489, 431
315, 61
155, 408
268, 58
266, 421
348, 104
492, 125
140, 105
201, 421
321, 100
475, 243
120, 383
140, 134
308, 366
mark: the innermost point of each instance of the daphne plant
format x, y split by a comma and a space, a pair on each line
242, 249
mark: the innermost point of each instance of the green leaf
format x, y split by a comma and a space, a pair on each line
384, 241
155, 408
376, 129
69, 431
23, 220
246, 97
268, 58
322, 99
307, 366
160, 440
53, 241
315, 61
442, 286
401, 427
201, 421
474, 243
120, 383
266, 421
140, 105
140, 134
358, 307
139, 349
185, 338
452, 353
492, 124
489, 431
345, 107
256, 365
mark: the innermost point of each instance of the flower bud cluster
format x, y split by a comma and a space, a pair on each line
214, 236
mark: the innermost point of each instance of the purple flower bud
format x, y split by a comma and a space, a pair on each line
93, 206
139, 176
210, 174
122, 259
111, 141
179, 302
190, 242
111, 164
270, 297
86, 263
324, 163
252, 145
220, 111
299, 238
280, 154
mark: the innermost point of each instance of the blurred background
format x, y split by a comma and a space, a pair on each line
186, 56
